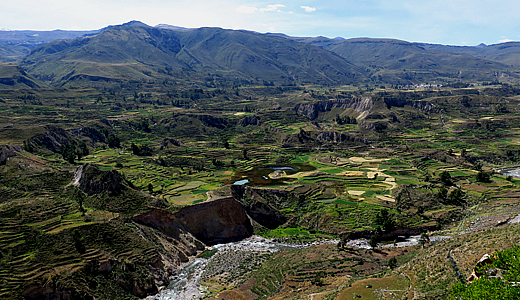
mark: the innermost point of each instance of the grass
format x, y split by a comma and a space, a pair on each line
393, 287
182, 175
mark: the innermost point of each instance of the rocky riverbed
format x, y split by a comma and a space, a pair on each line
232, 261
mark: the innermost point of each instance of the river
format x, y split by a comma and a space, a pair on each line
511, 172
185, 284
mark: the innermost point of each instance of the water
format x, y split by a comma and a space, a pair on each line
281, 168
511, 172
185, 284
259, 176
241, 182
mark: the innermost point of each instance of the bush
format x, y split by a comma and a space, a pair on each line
483, 177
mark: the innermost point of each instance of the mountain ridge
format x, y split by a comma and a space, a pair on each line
135, 47
135, 51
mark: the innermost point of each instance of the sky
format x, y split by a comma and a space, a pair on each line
453, 22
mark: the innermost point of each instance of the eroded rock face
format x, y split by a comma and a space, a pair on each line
8, 151
218, 221
311, 110
263, 205
250, 120
171, 226
91, 180
89, 133
54, 139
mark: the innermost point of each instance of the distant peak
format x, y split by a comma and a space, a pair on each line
166, 26
135, 24
339, 38
482, 45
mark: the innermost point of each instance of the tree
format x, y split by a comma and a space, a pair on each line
424, 239
78, 243
445, 178
456, 197
392, 263
483, 177
150, 188
374, 241
135, 149
318, 278
343, 241
113, 141
384, 221
68, 152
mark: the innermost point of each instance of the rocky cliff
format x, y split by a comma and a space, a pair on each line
172, 227
311, 110
8, 151
264, 205
91, 180
218, 221
55, 138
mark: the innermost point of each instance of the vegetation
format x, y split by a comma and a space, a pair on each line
499, 279
331, 151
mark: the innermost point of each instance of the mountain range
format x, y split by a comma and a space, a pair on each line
135, 51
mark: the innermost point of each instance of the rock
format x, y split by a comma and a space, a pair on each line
332, 137
212, 121
311, 110
263, 205
91, 180
171, 226
8, 151
277, 174
219, 221
169, 140
54, 139
250, 120
89, 133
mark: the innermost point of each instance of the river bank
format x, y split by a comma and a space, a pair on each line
235, 260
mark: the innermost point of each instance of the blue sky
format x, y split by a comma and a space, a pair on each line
454, 22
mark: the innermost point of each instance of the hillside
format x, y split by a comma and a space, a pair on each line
393, 60
135, 51
14, 77
16, 44
505, 53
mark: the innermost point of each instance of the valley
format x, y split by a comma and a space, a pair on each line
125, 173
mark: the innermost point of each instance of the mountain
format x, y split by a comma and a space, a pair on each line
16, 44
404, 60
136, 51
39, 37
506, 53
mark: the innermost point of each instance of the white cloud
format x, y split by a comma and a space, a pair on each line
273, 7
247, 9
308, 8
505, 40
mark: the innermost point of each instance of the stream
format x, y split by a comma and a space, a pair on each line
510, 172
185, 284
